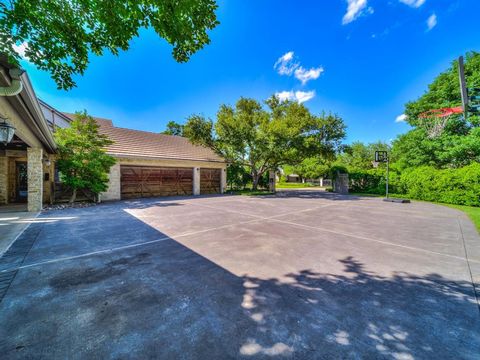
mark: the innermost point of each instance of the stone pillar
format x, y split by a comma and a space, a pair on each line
223, 180
114, 191
196, 181
340, 185
271, 181
3, 180
35, 178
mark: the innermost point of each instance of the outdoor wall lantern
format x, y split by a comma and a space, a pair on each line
6, 131
47, 162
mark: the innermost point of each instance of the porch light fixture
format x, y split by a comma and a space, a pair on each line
6, 131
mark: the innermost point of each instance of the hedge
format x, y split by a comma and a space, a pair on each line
372, 181
452, 186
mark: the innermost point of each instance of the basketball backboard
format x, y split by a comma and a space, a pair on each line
381, 156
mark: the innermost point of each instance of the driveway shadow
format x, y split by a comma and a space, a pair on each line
163, 300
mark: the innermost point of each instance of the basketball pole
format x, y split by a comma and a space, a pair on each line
463, 86
388, 163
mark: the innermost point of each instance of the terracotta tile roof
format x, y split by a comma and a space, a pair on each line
144, 144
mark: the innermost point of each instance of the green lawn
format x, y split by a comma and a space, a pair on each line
295, 186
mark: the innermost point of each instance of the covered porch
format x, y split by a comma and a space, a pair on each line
27, 155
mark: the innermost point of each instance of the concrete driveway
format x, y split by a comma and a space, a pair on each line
303, 274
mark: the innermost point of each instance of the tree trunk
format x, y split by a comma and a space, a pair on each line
74, 196
255, 178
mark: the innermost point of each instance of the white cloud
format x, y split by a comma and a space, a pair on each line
285, 95
285, 65
355, 8
413, 3
431, 22
305, 75
299, 96
302, 96
21, 49
288, 65
401, 118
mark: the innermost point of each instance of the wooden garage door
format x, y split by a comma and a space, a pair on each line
210, 181
143, 181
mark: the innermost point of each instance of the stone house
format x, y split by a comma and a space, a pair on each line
26, 161
152, 164
148, 164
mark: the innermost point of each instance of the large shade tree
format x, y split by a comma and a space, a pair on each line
263, 138
458, 144
59, 36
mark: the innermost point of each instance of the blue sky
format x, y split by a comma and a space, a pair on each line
370, 56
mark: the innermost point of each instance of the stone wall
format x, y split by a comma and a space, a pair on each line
113, 192
3, 180
35, 178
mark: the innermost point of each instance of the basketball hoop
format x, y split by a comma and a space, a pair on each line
434, 121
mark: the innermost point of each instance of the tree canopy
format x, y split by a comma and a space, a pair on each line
173, 128
82, 160
444, 91
458, 144
263, 138
59, 36
359, 156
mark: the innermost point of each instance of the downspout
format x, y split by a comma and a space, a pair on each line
16, 86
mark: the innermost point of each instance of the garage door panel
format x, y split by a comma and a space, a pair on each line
142, 181
210, 181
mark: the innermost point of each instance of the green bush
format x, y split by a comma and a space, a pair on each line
452, 186
372, 181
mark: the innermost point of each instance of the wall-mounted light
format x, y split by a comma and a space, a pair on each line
6, 131
47, 161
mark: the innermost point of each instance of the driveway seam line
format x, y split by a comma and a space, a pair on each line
149, 242
119, 248
468, 265
372, 240
262, 217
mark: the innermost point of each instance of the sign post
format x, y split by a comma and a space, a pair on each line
382, 156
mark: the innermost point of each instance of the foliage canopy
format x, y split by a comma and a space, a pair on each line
82, 160
264, 138
174, 128
60, 35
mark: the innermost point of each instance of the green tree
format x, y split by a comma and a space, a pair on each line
174, 128
263, 139
82, 160
359, 156
310, 168
60, 35
458, 144
444, 91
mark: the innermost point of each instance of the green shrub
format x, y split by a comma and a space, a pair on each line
452, 186
372, 181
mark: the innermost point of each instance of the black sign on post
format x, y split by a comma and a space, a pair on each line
382, 156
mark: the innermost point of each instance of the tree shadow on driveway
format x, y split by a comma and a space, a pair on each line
163, 300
